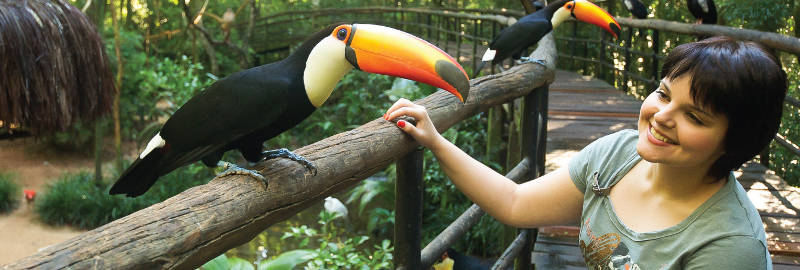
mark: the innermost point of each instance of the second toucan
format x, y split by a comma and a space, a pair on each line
526, 32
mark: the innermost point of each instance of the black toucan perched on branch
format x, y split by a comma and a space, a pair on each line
530, 29
636, 8
703, 10
249, 107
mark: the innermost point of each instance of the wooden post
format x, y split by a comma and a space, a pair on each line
408, 211
475, 41
656, 52
627, 58
601, 69
534, 142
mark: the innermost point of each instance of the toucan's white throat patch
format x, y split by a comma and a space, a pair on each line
326, 65
155, 142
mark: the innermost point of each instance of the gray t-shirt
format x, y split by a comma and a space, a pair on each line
725, 232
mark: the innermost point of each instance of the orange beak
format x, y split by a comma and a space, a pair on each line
383, 50
590, 13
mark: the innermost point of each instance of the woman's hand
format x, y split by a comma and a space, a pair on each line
424, 132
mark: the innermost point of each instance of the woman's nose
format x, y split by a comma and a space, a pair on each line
664, 116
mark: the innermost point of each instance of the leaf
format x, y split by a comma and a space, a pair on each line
287, 260
240, 264
218, 263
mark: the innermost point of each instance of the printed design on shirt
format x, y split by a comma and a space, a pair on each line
605, 251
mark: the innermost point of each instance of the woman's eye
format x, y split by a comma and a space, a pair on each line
662, 95
694, 118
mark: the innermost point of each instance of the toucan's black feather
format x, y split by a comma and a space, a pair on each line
636, 8
709, 17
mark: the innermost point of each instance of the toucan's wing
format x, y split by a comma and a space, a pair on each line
517, 37
229, 109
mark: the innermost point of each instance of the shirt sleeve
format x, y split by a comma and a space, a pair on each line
582, 165
733, 252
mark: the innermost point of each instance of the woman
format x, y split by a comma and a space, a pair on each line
662, 197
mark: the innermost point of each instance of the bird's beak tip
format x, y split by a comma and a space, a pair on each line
455, 76
615, 29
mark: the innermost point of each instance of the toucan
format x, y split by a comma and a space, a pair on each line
249, 107
636, 8
703, 10
511, 41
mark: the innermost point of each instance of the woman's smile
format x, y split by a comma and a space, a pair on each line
656, 138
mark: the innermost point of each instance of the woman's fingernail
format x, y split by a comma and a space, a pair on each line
401, 124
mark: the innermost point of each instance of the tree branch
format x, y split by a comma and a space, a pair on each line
782, 42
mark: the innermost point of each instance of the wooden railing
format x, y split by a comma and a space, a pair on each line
637, 71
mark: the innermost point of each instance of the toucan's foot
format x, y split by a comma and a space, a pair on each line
285, 153
523, 60
232, 169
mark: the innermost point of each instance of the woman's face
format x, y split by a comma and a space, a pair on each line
675, 131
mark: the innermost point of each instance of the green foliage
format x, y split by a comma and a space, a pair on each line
377, 194
9, 193
287, 260
158, 91
172, 81
331, 250
783, 161
78, 137
223, 262
762, 15
75, 200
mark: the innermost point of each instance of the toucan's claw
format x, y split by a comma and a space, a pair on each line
523, 60
285, 153
232, 169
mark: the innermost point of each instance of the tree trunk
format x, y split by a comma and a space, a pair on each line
97, 13
198, 224
118, 87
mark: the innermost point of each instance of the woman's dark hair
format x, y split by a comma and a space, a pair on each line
742, 80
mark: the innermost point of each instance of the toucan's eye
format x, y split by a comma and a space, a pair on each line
569, 6
341, 34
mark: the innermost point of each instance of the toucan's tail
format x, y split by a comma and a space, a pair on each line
139, 177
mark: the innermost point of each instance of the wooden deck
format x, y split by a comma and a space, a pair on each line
582, 109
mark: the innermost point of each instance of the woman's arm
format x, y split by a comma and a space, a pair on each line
549, 200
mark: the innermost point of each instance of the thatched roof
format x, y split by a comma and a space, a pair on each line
53, 67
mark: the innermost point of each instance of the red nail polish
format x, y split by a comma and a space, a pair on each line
401, 124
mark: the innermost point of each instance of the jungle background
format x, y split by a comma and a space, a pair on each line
162, 52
